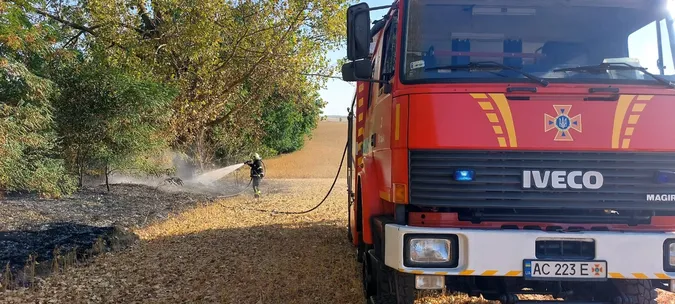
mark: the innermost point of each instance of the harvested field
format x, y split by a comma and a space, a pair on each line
229, 252
319, 158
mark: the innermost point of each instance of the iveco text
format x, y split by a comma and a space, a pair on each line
562, 179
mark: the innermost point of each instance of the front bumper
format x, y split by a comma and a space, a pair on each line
500, 253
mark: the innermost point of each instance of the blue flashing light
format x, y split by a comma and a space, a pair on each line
464, 175
664, 177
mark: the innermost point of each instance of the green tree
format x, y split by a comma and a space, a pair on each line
29, 158
111, 120
288, 119
28, 155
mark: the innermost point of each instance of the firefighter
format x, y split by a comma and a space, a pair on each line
256, 172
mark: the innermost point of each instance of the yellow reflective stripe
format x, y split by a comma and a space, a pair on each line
505, 111
619, 115
486, 105
640, 275
492, 117
633, 119
502, 141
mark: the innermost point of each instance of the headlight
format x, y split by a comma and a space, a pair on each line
431, 250
671, 254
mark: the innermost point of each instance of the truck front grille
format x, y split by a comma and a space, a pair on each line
628, 178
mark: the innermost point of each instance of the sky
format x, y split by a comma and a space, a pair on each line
339, 94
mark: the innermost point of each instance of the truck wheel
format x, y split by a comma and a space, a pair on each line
404, 294
350, 238
405, 287
383, 285
637, 291
368, 278
616, 291
360, 248
389, 299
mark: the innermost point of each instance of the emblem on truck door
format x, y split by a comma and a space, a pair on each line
563, 123
562, 179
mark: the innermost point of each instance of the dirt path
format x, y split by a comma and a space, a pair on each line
228, 253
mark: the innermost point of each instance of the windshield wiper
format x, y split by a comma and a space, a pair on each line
489, 65
616, 66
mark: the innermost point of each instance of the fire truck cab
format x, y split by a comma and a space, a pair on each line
508, 147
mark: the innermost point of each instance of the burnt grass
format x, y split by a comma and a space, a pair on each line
41, 236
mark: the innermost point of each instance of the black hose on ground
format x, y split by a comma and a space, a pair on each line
238, 193
337, 175
324, 198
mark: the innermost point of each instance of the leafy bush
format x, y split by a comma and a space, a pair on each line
28, 156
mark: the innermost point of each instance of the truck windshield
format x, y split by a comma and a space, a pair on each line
543, 38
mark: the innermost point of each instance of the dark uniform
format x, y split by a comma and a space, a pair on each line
256, 173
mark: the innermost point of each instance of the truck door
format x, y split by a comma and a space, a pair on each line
381, 110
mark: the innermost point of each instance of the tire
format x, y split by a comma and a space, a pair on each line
616, 291
382, 300
384, 285
360, 248
405, 288
349, 234
637, 291
368, 279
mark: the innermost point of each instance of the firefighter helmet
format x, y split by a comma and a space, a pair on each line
256, 156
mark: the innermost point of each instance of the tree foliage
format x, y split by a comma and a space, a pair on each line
111, 120
224, 56
27, 137
288, 119
213, 79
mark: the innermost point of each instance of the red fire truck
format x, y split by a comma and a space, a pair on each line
507, 147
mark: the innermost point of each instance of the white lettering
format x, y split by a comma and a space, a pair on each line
661, 197
539, 181
562, 179
558, 180
599, 180
527, 181
571, 180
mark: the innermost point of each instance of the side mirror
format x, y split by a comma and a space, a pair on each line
358, 31
357, 70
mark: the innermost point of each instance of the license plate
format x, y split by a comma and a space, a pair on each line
588, 270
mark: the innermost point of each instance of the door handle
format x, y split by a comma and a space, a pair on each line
372, 139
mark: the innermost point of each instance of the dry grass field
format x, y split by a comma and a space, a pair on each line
228, 252
319, 158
